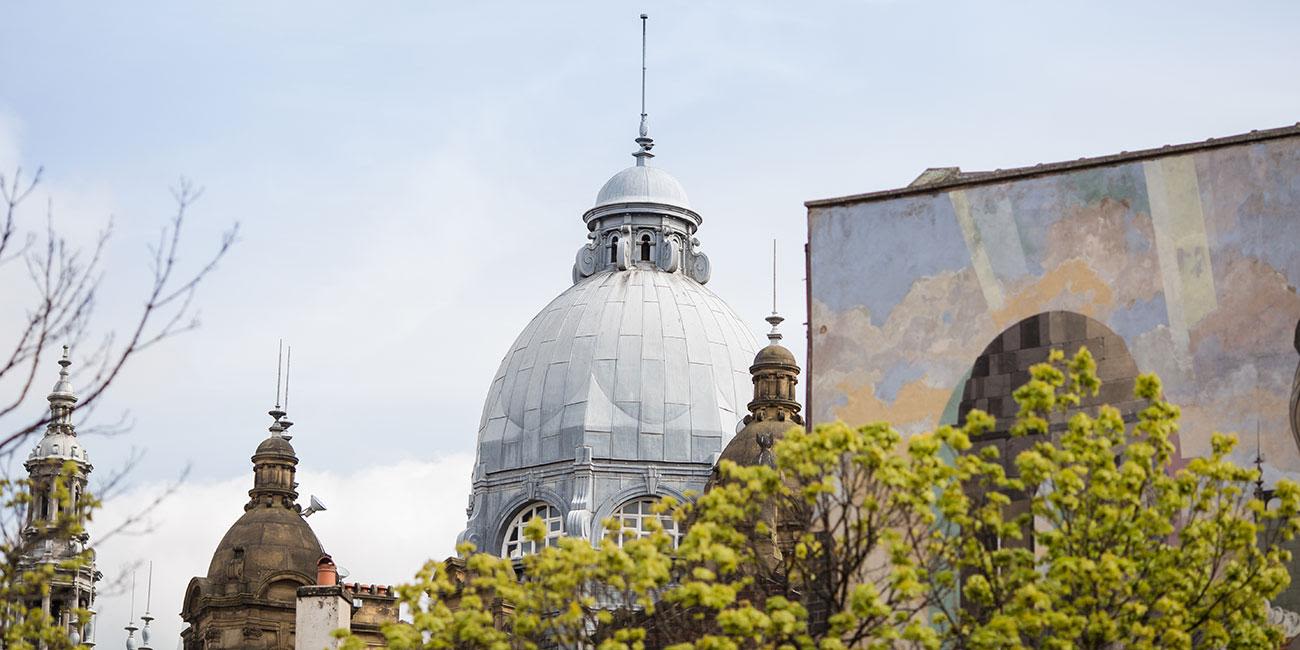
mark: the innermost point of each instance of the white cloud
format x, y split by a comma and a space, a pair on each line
382, 524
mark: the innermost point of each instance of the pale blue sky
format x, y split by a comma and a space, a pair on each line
410, 176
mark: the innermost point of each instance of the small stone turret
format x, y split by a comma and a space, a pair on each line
248, 597
774, 408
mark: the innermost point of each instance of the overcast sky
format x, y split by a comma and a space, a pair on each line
409, 179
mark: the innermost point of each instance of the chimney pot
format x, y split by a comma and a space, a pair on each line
327, 574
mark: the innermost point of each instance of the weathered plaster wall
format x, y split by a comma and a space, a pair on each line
1192, 258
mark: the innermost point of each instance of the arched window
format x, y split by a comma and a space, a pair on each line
634, 516
517, 544
645, 248
613, 249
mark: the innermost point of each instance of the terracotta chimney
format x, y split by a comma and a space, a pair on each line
327, 575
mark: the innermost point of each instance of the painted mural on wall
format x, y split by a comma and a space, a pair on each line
1192, 258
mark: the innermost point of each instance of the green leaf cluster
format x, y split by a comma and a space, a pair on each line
1093, 536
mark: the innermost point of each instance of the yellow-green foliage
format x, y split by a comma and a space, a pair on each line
859, 538
24, 625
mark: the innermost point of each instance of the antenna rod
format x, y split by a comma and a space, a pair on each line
132, 597
773, 275
148, 598
288, 365
643, 22
279, 361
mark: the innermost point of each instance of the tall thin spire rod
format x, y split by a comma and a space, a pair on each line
774, 319
288, 365
279, 362
643, 139
644, 17
148, 594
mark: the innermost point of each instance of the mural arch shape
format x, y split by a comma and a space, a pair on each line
1004, 366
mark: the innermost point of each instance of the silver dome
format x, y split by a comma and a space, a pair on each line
643, 185
59, 445
637, 364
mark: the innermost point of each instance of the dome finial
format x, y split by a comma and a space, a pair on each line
130, 625
285, 422
775, 319
643, 138
62, 399
145, 633
277, 413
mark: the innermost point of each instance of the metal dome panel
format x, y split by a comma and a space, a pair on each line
639, 365
643, 185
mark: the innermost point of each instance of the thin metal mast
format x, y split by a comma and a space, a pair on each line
643, 140
288, 365
644, 17
774, 319
279, 362
773, 276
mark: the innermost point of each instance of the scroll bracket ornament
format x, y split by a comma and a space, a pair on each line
697, 263
584, 265
669, 254
578, 522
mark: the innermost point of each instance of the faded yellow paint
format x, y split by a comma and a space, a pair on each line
1072, 279
1182, 246
917, 405
989, 284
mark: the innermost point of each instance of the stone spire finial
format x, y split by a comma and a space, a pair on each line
62, 400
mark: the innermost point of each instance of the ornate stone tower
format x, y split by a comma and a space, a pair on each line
71, 589
624, 388
247, 599
774, 408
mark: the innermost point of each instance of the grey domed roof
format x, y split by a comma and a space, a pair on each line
638, 364
643, 185
59, 445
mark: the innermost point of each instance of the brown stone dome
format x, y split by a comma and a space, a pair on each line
264, 543
275, 445
774, 354
753, 444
